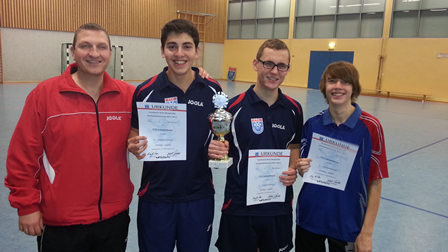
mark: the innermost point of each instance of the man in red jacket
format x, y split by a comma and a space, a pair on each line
67, 163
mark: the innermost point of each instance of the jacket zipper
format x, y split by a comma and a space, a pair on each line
101, 162
100, 212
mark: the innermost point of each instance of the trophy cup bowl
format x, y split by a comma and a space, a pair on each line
220, 124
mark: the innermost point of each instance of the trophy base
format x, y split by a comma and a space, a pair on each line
220, 164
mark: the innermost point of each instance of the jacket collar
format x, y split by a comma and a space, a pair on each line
166, 83
350, 122
69, 85
253, 97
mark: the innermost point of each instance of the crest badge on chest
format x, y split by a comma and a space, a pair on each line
171, 100
257, 125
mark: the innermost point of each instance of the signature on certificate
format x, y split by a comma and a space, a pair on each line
156, 154
268, 197
328, 181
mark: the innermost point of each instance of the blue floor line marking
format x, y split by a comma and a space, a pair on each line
402, 155
421, 209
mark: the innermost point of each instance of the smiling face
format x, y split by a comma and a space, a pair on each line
179, 52
91, 52
340, 83
270, 79
339, 92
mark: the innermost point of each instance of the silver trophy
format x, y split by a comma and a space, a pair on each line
220, 123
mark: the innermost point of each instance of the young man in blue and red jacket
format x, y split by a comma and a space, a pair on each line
345, 218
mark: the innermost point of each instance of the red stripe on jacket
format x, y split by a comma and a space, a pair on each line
240, 98
151, 81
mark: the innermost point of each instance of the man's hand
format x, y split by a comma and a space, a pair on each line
289, 177
204, 73
363, 243
31, 224
217, 149
303, 165
136, 146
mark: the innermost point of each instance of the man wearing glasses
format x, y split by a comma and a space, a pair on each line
263, 118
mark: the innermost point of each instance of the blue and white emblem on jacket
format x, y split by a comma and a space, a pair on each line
257, 125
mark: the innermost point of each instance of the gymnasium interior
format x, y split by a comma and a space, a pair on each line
400, 48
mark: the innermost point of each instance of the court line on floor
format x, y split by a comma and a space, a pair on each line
402, 155
421, 209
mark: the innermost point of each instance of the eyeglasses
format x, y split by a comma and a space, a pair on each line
334, 81
270, 65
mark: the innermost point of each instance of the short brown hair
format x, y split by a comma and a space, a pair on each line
91, 27
341, 70
179, 26
275, 44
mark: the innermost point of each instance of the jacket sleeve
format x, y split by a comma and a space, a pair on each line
378, 161
23, 163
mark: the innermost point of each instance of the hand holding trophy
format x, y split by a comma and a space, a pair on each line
220, 123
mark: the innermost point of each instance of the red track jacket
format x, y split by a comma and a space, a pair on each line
68, 156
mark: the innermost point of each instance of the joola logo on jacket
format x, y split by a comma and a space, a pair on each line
113, 118
196, 103
278, 126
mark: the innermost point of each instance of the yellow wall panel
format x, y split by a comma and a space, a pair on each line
412, 65
240, 53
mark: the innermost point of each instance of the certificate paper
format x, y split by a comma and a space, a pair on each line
164, 125
263, 182
332, 162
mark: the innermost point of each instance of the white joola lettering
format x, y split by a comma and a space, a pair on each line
196, 103
116, 118
278, 126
